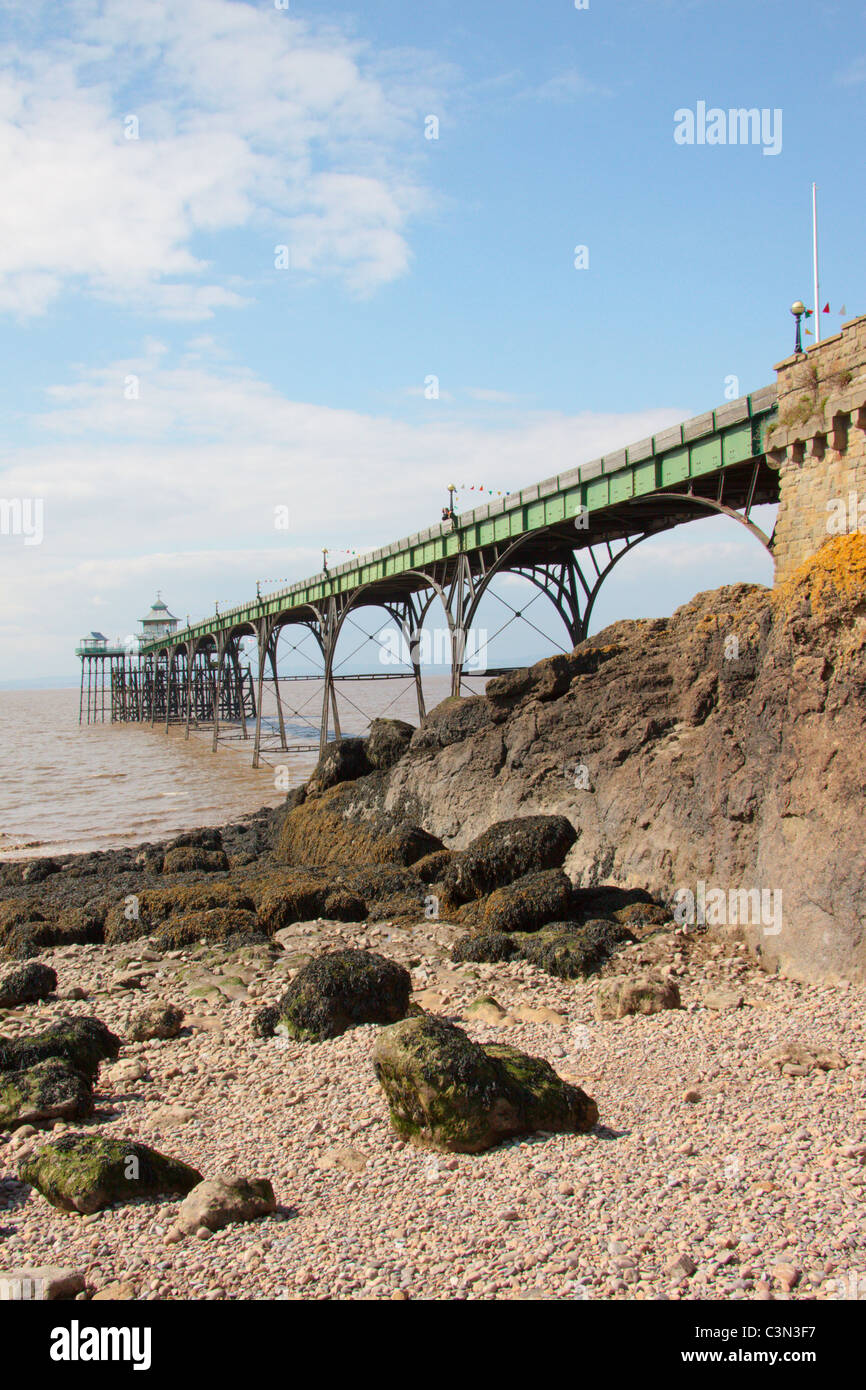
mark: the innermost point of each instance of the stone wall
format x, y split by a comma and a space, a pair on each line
819, 444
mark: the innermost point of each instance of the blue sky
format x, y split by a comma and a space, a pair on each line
166, 386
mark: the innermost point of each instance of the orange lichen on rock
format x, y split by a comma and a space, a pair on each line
836, 571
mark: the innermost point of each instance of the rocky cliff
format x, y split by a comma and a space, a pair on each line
715, 759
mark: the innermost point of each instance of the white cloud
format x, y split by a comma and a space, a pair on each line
245, 117
569, 86
178, 488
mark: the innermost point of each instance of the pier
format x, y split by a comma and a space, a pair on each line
791, 443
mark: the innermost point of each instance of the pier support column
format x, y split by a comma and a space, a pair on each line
272, 655
264, 642
328, 639
217, 693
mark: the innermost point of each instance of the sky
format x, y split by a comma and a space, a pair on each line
322, 257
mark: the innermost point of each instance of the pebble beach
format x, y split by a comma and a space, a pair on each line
729, 1159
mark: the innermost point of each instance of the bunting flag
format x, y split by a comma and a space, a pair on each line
479, 487
843, 311
826, 308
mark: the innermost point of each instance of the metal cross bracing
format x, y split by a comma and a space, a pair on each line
563, 536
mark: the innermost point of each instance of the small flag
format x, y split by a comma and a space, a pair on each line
808, 332
843, 310
808, 313
826, 308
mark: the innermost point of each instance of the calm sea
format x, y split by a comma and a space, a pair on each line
69, 788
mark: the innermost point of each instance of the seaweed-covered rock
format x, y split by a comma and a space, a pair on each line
221, 924
188, 858
25, 940
386, 742
432, 867
25, 984
209, 838
571, 949
298, 896
445, 1091
223, 1201
88, 1172
14, 912
37, 870
139, 914
50, 1090
635, 994
507, 851
24, 932
344, 760
529, 902
265, 1021
642, 915
155, 1021
342, 990
82, 1042
392, 890
407, 844
484, 946
341, 905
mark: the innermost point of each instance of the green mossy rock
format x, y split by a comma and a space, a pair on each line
82, 1042
507, 851
50, 1090
572, 950
343, 990
87, 1172
446, 1092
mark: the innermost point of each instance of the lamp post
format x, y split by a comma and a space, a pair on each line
798, 309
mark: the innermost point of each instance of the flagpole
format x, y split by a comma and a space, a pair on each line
815, 262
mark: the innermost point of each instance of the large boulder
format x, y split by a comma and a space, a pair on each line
446, 1092
50, 1090
25, 984
343, 990
386, 742
407, 844
528, 902
223, 1201
507, 851
82, 1042
344, 760
88, 1172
